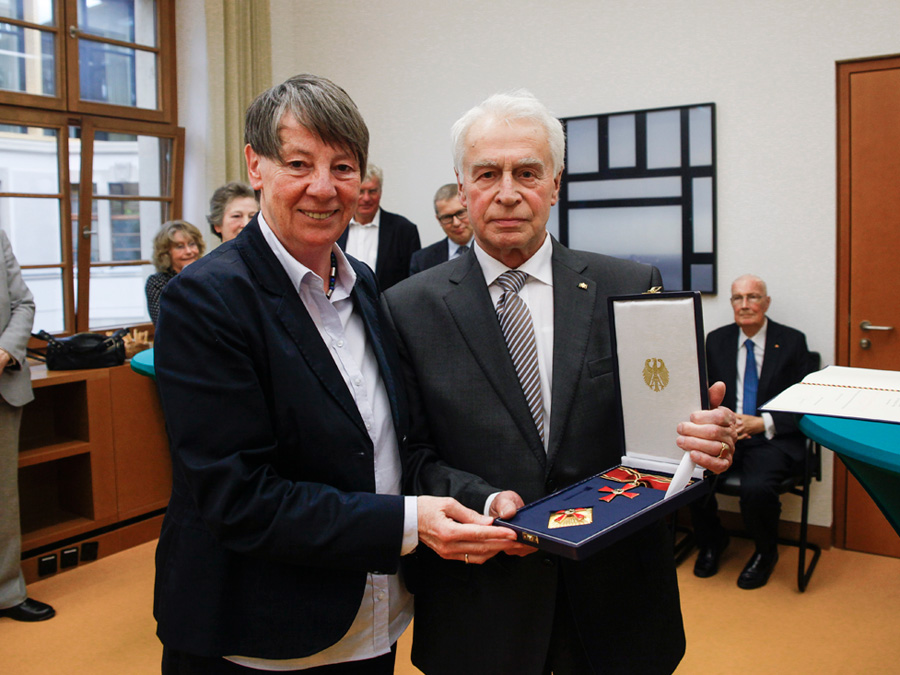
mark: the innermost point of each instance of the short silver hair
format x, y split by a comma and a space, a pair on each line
520, 104
445, 192
374, 173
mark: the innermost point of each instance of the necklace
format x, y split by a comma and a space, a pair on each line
331, 279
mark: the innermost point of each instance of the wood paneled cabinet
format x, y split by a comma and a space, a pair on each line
93, 457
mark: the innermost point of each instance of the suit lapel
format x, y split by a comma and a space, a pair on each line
771, 360
385, 243
469, 303
296, 321
388, 363
729, 366
573, 315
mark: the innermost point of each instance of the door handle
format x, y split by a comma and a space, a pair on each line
865, 325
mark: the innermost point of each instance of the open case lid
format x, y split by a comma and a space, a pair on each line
660, 375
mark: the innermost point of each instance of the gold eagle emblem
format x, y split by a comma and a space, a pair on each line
656, 375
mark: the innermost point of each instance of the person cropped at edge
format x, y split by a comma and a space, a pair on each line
175, 246
231, 207
383, 240
770, 446
285, 412
16, 320
474, 436
454, 220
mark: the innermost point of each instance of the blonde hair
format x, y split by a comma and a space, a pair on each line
164, 239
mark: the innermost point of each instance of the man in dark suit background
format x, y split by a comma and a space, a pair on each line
281, 543
476, 434
383, 240
454, 220
770, 446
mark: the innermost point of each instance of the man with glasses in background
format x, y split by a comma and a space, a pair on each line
454, 220
757, 359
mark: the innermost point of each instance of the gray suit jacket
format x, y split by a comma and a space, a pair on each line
472, 435
16, 320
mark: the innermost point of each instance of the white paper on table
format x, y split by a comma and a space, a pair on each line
838, 391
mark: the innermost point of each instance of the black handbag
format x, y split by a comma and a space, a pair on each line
82, 350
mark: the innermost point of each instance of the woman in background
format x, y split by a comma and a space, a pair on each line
232, 206
176, 245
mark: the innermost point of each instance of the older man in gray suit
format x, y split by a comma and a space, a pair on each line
508, 365
16, 319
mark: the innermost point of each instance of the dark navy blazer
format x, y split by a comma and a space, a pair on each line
428, 257
273, 521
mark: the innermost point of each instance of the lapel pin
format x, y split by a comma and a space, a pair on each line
582, 286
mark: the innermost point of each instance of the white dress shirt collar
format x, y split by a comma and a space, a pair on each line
539, 266
376, 221
759, 340
345, 278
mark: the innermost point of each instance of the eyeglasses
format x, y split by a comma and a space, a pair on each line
752, 298
460, 215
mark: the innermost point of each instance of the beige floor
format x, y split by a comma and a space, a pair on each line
848, 621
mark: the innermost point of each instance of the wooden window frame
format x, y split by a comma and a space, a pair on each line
68, 85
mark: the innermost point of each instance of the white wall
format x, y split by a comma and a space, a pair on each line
769, 66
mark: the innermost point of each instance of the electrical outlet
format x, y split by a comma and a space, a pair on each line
68, 557
89, 550
47, 565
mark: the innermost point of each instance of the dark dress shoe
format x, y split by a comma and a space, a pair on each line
30, 610
707, 563
758, 570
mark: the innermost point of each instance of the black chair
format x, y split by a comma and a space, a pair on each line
796, 484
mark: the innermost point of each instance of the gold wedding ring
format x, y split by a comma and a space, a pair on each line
467, 555
723, 450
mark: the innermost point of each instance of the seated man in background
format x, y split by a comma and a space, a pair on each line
383, 240
454, 220
757, 359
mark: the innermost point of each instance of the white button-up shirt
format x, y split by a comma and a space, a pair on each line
386, 607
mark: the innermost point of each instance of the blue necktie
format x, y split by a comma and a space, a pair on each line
751, 380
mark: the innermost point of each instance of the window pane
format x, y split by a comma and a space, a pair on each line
29, 160
125, 228
582, 145
649, 234
117, 75
33, 229
47, 288
703, 220
701, 136
33, 11
27, 62
553, 221
125, 20
626, 188
663, 139
117, 295
144, 163
702, 278
621, 141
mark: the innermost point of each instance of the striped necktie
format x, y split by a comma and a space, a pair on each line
518, 330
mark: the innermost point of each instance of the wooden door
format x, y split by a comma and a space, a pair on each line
868, 262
